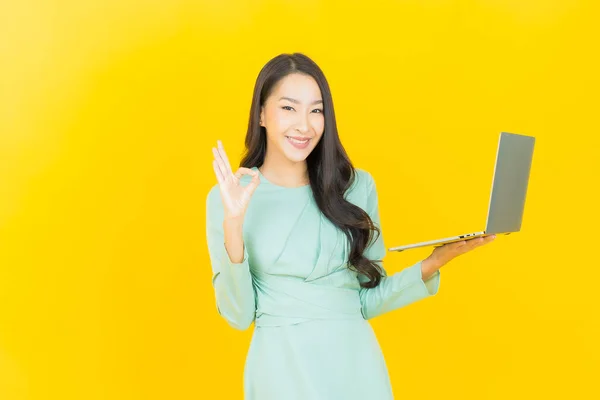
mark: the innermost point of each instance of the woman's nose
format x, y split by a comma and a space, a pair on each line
303, 124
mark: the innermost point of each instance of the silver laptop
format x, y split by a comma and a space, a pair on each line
509, 189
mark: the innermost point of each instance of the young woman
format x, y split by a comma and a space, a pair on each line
295, 245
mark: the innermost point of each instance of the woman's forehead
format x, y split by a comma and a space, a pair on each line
299, 87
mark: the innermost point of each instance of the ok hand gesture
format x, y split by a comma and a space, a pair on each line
234, 196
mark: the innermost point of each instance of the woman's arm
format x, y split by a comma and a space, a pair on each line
399, 290
231, 280
402, 288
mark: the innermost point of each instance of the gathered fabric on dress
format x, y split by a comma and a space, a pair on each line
311, 338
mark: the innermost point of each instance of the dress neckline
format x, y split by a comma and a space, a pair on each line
265, 180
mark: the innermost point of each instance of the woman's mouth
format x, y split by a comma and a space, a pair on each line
298, 142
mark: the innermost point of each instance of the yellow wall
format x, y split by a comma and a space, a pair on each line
108, 111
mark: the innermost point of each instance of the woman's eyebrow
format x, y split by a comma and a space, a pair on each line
297, 102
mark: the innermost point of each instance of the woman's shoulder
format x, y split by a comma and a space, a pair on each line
361, 188
363, 181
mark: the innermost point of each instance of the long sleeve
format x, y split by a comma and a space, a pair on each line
400, 289
232, 282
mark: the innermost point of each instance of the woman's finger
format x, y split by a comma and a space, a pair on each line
244, 171
456, 245
253, 184
471, 244
486, 239
220, 163
221, 150
218, 173
478, 242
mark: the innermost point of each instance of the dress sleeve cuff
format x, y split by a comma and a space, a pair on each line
227, 259
431, 285
233, 271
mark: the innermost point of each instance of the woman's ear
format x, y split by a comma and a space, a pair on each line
261, 120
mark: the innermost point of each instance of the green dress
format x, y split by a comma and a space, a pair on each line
311, 339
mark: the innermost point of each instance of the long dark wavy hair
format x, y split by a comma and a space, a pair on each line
330, 170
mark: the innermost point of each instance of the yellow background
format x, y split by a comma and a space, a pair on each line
109, 109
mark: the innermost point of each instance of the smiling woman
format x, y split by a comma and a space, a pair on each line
302, 142
295, 245
295, 142
297, 120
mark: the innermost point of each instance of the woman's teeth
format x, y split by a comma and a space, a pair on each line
297, 141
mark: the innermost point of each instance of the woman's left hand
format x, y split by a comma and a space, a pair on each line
443, 254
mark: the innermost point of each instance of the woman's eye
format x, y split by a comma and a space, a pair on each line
289, 108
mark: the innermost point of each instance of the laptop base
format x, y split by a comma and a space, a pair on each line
439, 242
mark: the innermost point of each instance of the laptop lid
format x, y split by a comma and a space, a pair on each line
509, 184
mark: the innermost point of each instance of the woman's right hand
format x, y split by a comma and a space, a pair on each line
235, 197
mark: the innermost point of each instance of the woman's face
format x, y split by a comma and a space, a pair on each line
293, 117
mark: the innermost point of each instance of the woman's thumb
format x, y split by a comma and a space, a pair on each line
251, 187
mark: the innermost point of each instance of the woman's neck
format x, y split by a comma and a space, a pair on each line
284, 172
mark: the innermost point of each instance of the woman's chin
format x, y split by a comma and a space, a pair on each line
297, 155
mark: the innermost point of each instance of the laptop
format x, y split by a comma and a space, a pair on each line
509, 189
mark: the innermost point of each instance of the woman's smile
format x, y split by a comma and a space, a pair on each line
298, 141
